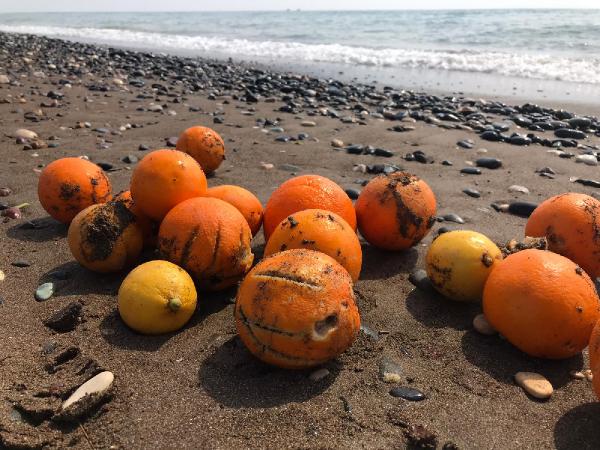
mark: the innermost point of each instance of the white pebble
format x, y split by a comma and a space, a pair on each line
308, 123
2, 276
589, 160
577, 375
337, 143
25, 134
267, 166
534, 384
4, 79
96, 385
517, 188
482, 326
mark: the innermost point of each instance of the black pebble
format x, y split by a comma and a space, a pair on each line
472, 193
465, 143
21, 264
65, 319
568, 133
471, 171
383, 152
420, 280
143, 147
352, 193
105, 165
453, 218
522, 209
489, 163
447, 163
413, 395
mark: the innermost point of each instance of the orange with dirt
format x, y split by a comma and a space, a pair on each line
395, 211
320, 230
69, 185
210, 239
163, 179
296, 309
204, 145
245, 202
542, 302
306, 192
105, 237
571, 224
148, 227
594, 351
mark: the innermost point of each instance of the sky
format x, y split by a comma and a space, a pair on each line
261, 5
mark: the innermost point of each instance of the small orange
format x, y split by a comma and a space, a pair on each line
395, 211
594, 351
105, 237
210, 239
163, 179
69, 185
320, 230
542, 302
148, 227
204, 145
306, 192
296, 309
245, 202
571, 224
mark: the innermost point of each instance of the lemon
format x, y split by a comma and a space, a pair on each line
459, 263
157, 297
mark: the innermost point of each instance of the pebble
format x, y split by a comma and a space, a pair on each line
589, 160
289, 168
65, 319
130, 159
337, 143
11, 213
489, 135
383, 152
352, 193
21, 263
471, 171
4, 79
482, 326
568, 133
98, 385
2, 276
143, 147
44, 292
522, 209
308, 123
370, 332
5, 192
155, 108
472, 193
534, 384
489, 163
466, 143
267, 166
447, 163
519, 189
25, 134
419, 279
319, 374
172, 141
453, 218
577, 375
390, 371
411, 394
587, 373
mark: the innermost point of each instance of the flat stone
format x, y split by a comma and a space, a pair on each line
319, 374
44, 292
568, 133
65, 319
472, 193
453, 218
489, 163
466, 143
522, 209
383, 152
337, 143
411, 394
519, 189
95, 387
143, 147
471, 171
4, 79
482, 326
267, 166
155, 108
308, 123
25, 134
390, 371
419, 279
21, 263
172, 141
534, 384
352, 193
368, 331
130, 159
589, 160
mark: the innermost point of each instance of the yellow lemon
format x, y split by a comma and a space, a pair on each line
157, 297
459, 262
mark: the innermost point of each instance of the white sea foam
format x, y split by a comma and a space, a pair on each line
534, 66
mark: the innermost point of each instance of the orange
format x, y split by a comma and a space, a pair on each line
69, 185
571, 224
542, 302
210, 239
595, 358
148, 227
320, 230
204, 145
163, 179
105, 237
395, 211
306, 192
296, 309
245, 202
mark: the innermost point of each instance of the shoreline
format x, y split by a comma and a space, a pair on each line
199, 386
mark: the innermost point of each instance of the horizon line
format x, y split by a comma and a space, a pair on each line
309, 10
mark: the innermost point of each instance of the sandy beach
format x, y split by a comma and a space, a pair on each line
200, 388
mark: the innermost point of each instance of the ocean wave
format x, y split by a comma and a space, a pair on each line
535, 66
